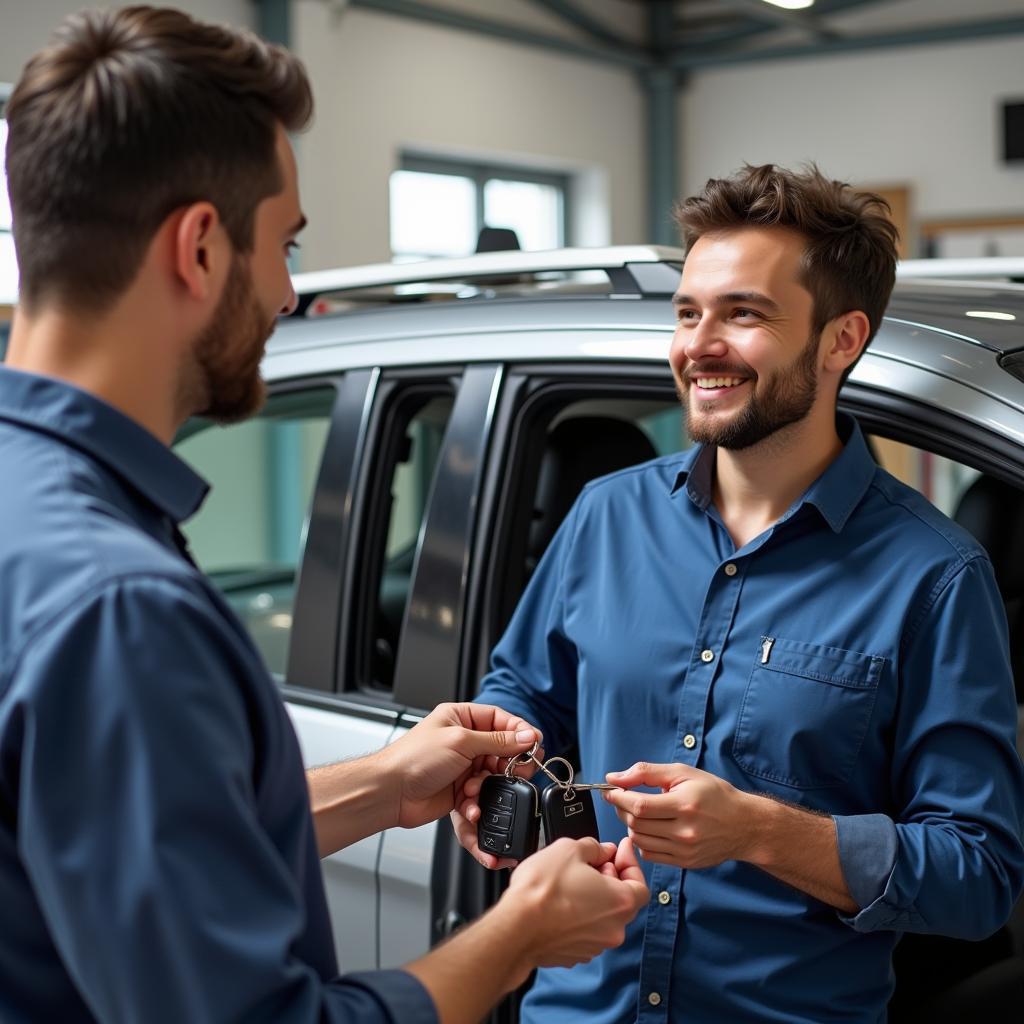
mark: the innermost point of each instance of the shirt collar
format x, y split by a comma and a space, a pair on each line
86, 422
835, 494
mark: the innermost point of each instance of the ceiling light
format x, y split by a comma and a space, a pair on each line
989, 314
791, 5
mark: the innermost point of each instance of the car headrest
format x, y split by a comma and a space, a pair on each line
993, 512
579, 450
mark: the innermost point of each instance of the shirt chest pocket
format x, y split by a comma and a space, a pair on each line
805, 713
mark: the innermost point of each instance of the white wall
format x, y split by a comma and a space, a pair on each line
25, 25
925, 116
384, 83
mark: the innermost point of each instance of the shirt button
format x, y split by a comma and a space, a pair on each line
664, 898
654, 999
707, 656
689, 741
730, 569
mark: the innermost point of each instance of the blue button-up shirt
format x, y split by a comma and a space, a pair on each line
157, 855
852, 659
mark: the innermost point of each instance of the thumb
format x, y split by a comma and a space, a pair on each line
498, 743
643, 773
626, 862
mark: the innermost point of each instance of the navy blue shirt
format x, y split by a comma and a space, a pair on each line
852, 659
157, 854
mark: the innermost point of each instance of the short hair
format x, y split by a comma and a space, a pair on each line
126, 116
849, 262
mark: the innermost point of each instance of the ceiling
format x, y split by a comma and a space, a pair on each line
687, 35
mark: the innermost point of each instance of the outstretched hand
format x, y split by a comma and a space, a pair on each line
434, 761
697, 820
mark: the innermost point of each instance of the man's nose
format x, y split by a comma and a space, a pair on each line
292, 302
705, 340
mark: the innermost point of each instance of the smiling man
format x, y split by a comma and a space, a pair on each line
805, 660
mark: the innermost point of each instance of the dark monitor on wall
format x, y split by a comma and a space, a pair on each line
1013, 131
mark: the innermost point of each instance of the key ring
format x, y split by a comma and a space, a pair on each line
529, 755
567, 785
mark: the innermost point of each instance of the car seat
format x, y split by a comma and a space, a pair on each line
577, 451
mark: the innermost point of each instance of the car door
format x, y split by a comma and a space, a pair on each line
271, 536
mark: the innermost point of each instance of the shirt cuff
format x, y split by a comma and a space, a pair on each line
867, 854
402, 996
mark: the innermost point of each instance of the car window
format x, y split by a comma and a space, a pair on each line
249, 534
566, 436
413, 432
942, 481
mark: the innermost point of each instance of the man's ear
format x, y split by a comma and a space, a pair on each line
200, 250
846, 337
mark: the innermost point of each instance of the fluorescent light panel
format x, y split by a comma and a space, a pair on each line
791, 5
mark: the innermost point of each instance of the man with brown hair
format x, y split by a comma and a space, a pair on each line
806, 661
158, 858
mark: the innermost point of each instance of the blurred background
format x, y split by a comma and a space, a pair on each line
579, 122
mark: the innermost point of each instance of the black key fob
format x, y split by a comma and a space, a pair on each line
509, 824
567, 812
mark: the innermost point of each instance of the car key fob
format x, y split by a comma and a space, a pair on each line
567, 812
509, 823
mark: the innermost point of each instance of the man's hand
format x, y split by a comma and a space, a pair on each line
431, 765
564, 905
697, 821
577, 896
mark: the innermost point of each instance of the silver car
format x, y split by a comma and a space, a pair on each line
428, 427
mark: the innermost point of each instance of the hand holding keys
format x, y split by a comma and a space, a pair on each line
511, 809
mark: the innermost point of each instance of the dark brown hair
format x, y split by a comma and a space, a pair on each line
126, 116
849, 261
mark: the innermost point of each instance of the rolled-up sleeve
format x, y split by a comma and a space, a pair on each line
950, 861
139, 822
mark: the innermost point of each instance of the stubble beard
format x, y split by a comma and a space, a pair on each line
784, 398
226, 382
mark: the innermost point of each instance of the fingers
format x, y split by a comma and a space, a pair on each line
465, 832
631, 805
643, 773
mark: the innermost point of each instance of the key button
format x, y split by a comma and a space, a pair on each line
503, 799
493, 843
499, 822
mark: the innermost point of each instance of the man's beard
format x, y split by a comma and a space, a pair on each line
225, 382
782, 399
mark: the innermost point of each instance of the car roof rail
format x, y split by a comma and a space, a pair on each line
990, 267
631, 270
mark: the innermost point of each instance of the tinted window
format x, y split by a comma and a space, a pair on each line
249, 534
414, 428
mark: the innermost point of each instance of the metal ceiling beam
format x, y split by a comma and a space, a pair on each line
952, 32
596, 29
716, 37
501, 30
763, 11
661, 92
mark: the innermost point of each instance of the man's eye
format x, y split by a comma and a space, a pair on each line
745, 313
685, 315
